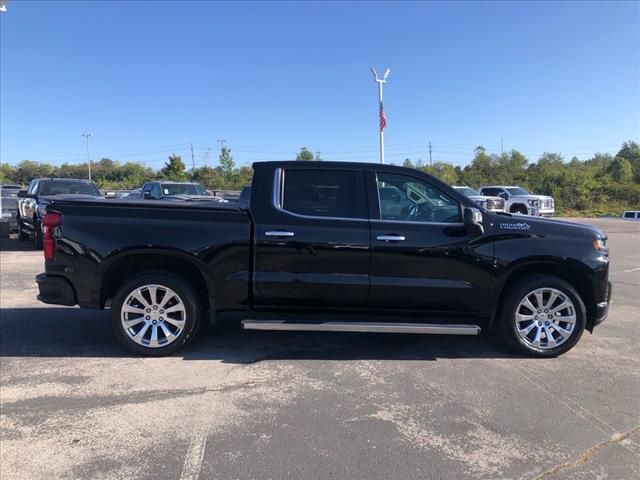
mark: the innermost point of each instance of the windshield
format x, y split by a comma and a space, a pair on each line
183, 189
517, 191
467, 191
59, 187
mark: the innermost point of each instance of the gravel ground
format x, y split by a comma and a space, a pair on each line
276, 405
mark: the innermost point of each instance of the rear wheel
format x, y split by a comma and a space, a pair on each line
22, 235
542, 316
37, 234
155, 314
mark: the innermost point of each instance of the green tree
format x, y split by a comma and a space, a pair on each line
621, 170
174, 169
227, 164
304, 155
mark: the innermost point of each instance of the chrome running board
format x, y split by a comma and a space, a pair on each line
382, 327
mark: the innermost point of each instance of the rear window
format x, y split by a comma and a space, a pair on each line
491, 192
182, 189
321, 193
629, 214
61, 187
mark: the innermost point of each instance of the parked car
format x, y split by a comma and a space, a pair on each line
8, 209
519, 200
167, 190
34, 200
320, 249
631, 215
493, 204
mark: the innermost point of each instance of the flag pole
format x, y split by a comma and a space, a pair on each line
382, 122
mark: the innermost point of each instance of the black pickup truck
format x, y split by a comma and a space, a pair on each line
319, 249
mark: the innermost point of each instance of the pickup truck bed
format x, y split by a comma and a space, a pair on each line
320, 249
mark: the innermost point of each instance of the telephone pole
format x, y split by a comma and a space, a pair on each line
221, 142
501, 146
193, 160
430, 160
87, 136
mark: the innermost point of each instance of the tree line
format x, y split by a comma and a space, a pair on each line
602, 185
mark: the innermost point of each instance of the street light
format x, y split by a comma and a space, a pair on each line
87, 136
383, 118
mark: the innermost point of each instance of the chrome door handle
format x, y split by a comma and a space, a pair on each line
390, 238
279, 233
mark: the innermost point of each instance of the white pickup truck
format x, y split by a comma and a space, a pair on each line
518, 200
493, 204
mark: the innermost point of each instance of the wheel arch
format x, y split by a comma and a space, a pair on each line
123, 266
574, 273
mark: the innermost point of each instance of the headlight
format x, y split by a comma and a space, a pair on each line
533, 203
600, 244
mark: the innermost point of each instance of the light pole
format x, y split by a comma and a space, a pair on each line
87, 136
383, 118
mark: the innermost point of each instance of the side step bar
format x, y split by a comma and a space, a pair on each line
382, 327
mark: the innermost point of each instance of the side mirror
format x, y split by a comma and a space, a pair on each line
472, 219
503, 195
24, 194
146, 194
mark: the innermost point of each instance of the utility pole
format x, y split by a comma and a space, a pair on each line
221, 142
193, 160
501, 146
430, 160
87, 136
382, 117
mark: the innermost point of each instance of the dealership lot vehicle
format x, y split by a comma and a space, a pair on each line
165, 190
631, 215
74, 404
313, 247
519, 200
34, 200
9, 209
493, 204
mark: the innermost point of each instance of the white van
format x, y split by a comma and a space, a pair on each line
631, 215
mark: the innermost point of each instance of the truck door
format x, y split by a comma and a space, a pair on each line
312, 241
422, 257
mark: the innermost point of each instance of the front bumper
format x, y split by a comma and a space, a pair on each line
602, 308
55, 290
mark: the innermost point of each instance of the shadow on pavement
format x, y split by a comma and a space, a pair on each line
14, 245
72, 332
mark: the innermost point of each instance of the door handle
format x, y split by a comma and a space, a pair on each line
390, 238
278, 233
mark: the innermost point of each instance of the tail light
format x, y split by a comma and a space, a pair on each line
51, 221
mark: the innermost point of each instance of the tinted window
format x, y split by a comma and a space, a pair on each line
518, 191
629, 214
59, 187
417, 200
491, 192
467, 191
155, 191
182, 189
321, 193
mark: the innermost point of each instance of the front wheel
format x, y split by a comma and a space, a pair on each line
155, 314
542, 316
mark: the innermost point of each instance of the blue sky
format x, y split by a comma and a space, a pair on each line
149, 78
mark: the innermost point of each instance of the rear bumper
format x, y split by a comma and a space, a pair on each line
55, 290
602, 308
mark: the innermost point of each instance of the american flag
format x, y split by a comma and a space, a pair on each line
383, 118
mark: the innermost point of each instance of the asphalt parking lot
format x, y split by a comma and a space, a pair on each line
276, 405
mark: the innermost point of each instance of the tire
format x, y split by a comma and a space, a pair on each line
565, 325
520, 209
182, 324
22, 235
37, 235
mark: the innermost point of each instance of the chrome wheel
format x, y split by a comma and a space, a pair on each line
153, 316
545, 319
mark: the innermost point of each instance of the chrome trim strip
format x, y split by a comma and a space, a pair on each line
390, 238
278, 233
444, 224
380, 327
277, 201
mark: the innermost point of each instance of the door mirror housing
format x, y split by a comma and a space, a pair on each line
472, 219
146, 194
24, 194
504, 195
